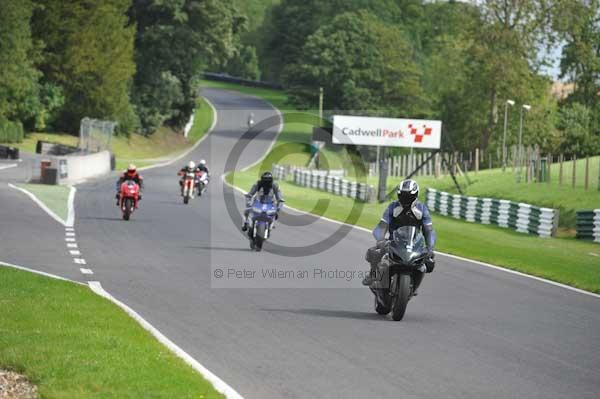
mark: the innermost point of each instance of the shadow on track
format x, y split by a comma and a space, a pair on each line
342, 314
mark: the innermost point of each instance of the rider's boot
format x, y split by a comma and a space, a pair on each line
417, 279
369, 278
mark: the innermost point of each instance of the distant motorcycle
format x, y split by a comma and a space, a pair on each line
128, 198
262, 215
201, 182
189, 184
393, 286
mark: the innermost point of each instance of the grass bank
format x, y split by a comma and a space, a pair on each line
74, 344
141, 150
565, 260
54, 197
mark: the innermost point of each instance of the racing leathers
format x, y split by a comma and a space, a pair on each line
260, 189
396, 216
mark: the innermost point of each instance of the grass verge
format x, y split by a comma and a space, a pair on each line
565, 260
54, 197
74, 344
143, 151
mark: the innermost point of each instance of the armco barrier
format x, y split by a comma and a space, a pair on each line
523, 218
588, 225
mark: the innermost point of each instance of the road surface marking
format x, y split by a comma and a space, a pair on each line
86, 271
79, 261
40, 204
220, 385
70, 234
71, 245
54, 276
69, 229
75, 252
12, 165
70, 239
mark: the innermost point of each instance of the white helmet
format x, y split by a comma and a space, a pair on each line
408, 192
191, 165
202, 162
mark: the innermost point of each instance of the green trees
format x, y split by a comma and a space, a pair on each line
19, 88
88, 53
361, 64
175, 40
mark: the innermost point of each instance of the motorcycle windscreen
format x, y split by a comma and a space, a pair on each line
407, 244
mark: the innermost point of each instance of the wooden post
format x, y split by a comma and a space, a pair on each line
560, 169
574, 162
549, 173
476, 160
587, 172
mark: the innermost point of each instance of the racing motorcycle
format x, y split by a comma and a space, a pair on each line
393, 285
202, 182
262, 215
128, 198
189, 184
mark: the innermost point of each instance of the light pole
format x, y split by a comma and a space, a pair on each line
506, 104
526, 108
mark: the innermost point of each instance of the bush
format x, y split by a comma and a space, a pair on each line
11, 132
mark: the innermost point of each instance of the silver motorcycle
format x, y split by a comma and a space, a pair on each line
394, 282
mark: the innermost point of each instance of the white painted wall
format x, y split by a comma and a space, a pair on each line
82, 167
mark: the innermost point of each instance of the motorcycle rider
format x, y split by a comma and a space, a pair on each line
189, 168
264, 186
130, 174
406, 211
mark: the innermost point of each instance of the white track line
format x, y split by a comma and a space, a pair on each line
71, 208
220, 385
40, 204
187, 152
54, 276
12, 165
86, 271
488, 265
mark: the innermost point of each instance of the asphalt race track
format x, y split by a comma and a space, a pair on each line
473, 332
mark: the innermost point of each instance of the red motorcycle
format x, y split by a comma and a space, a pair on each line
189, 183
128, 199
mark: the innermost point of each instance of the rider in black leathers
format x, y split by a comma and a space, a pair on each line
264, 186
407, 211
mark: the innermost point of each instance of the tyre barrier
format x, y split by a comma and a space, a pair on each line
320, 180
524, 218
588, 225
9, 152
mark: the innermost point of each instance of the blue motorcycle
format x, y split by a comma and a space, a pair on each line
262, 216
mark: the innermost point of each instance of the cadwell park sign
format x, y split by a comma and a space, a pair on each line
386, 132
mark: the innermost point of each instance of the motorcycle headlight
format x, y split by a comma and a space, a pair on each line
257, 210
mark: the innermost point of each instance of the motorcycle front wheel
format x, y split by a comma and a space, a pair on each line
401, 296
128, 204
259, 238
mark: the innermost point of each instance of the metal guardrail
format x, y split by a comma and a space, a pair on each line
517, 216
221, 77
588, 225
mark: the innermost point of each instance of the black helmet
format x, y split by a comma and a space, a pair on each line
266, 178
408, 192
